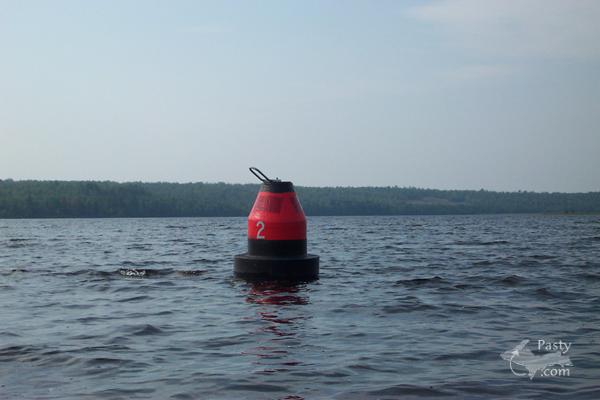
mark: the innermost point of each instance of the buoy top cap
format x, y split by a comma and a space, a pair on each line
272, 185
277, 187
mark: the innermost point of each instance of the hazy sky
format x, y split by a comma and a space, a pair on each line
501, 95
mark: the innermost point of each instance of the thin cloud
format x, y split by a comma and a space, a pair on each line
548, 28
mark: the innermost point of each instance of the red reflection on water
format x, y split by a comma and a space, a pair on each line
274, 318
276, 293
280, 323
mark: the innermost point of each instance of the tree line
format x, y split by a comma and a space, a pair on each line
94, 199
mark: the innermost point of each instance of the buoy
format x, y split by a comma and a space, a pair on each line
276, 236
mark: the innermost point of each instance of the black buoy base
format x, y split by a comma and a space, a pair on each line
298, 268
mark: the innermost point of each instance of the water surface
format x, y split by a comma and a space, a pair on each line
411, 307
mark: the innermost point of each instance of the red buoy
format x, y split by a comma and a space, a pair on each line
276, 236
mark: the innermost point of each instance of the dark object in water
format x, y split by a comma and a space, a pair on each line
276, 236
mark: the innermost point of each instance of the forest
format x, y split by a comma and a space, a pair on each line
105, 199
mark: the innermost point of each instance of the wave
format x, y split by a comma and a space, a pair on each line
480, 242
145, 330
102, 274
40, 355
407, 304
436, 280
589, 276
15, 243
512, 280
408, 390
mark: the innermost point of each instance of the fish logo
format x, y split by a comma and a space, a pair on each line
546, 364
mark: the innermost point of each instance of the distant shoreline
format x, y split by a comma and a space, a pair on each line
95, 199
319, 216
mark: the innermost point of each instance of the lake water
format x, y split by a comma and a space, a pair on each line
410, 307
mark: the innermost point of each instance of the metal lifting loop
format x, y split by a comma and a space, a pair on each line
258, 173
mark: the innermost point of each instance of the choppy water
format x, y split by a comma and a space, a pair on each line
405, 307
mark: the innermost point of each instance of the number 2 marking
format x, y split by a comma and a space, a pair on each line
262, 228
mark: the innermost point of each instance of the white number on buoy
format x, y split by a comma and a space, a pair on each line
262, 228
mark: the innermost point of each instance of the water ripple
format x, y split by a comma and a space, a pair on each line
406, 307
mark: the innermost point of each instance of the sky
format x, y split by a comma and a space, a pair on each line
464, 94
